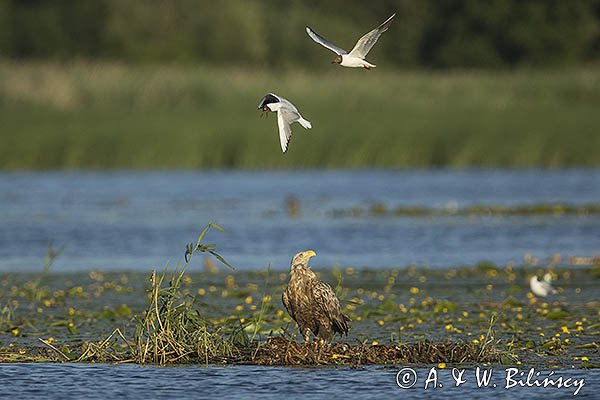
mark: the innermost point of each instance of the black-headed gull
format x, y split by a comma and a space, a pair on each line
356, 57
287, 113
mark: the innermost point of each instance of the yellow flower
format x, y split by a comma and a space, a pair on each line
21, 352
414, 290
15, 331
50, 340
71, 311
542, 334
248, 300
279, 313
375, 343
239, 308
201, 292
584, 358
442, 365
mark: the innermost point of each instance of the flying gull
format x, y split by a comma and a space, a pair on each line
286, 114
356, 57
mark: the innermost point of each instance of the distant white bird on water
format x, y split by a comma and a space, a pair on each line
287, 113
356, 57
542, 288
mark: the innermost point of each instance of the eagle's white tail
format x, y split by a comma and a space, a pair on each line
305, 123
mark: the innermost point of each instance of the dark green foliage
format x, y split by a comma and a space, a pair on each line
431, 33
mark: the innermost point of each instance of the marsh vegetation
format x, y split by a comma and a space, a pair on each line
460, 316
107, 115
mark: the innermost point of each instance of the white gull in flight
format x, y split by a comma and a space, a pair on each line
286, 114
356, 57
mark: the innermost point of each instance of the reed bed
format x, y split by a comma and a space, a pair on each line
102, 115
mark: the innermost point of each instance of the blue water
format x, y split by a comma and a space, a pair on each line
140, 220
98, 381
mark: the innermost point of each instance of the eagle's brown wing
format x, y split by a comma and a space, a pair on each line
326, 300
288, 304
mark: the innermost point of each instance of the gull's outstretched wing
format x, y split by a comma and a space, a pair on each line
315, 36
285, 117
366, 43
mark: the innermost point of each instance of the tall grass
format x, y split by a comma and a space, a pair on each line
172, 329
82, 115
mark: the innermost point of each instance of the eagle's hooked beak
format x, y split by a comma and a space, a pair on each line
310, 253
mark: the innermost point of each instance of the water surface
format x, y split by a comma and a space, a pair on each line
126, 220
97, 381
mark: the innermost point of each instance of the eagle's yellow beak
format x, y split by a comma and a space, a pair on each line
310, 253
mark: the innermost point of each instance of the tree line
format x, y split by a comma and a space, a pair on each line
270, 33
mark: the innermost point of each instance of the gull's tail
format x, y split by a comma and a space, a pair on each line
305, 123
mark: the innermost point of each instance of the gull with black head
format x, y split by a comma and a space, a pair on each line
356, 57
287, 113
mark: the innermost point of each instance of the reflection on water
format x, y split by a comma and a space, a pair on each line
140, 220
97, 381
